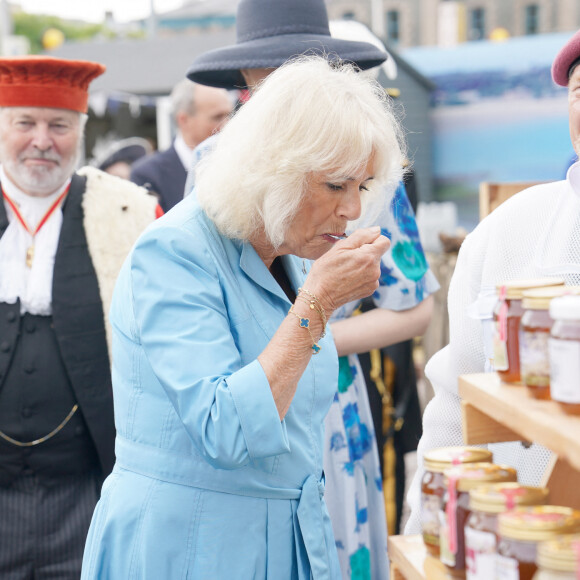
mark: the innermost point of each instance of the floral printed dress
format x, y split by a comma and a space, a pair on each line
354, 491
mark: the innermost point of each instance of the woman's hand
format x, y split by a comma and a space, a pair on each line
349, 270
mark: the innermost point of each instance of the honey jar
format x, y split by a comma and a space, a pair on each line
559, 559
564, 345
486, 503
507, 314
436, 462
520, 532
535, 327
455, 510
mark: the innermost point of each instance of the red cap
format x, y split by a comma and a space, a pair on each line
45, 81
569, 54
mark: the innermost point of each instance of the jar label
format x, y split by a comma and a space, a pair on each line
445, 555
480, 553
430, 506
534, 358
506, 568
565, 370
500, 355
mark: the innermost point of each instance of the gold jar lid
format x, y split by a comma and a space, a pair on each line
538, 523
540, 298
442, 458
501, 497
560, 554
472, 475
515, 288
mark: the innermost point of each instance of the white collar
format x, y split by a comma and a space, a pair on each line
32, 285
184, 153
573, 177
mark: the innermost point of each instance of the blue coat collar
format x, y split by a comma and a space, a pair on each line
252, 265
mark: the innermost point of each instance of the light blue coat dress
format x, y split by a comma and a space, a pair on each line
209, 483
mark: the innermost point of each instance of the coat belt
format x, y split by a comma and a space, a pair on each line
166, 465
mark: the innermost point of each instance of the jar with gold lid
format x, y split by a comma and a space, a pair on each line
507, 314
559, 559
486, 503
459, 481
521, 530
564, 344
436, 462
535, 327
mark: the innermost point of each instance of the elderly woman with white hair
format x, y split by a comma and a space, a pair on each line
267, 35
222, 373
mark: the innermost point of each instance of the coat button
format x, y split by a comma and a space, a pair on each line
79, 430
30, 326
4, 346
11, 316
29, 368
26, 412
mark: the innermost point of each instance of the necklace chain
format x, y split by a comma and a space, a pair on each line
54, 206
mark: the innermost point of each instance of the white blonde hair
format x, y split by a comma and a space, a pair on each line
309, 116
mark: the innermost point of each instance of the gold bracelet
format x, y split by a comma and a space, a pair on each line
315, 301
305, 323
313, 306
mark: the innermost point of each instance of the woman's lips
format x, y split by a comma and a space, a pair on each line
333, 238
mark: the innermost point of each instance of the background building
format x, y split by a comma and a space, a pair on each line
405, 23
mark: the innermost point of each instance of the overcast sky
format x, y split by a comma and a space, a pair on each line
94, 10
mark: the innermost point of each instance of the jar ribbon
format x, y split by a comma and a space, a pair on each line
451, 512
503, 312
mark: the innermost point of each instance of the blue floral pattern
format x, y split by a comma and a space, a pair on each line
354, 492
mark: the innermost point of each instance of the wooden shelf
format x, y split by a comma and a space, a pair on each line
407, 555
494, 411
410, 560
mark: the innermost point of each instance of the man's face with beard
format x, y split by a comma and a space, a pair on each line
39, 147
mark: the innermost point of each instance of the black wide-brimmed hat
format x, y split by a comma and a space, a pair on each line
269, 32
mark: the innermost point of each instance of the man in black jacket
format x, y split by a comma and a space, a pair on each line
198, 111
63, 237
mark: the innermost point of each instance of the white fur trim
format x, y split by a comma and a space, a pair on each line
116, 211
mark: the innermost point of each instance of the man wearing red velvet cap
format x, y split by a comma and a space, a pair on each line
63, 237
534, 234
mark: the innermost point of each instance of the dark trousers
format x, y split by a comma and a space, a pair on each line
43, 529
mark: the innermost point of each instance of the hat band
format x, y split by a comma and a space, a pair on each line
281, 30
50, 96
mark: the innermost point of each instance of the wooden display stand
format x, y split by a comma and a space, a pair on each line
410, 560
494, 412
493, 194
